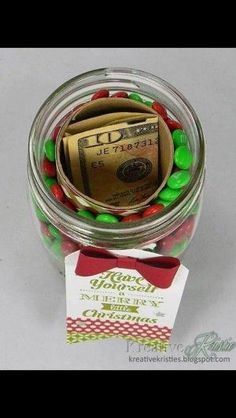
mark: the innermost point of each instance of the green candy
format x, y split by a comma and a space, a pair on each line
50, 181
169, 194
162, 202
107, 217
178, 179
40, 215
49, 149
54, 232
179, 137
136, 97
183, 157
86, 214
148, 103
47, 241
56, 248
178, 248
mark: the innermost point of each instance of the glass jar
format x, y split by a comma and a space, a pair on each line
168, 232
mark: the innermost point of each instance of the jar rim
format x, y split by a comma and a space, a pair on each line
84, 225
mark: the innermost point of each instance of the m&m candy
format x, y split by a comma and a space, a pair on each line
169, 194
100, 94
153, 209
132, 218
49, 147
85, 214
68, 247
173, 124
50, 181
179, 137
121, 94
136, 97
160, 109
57, 192
48, 168
107, 217
183, 157
69, 204
178, 179
54, 232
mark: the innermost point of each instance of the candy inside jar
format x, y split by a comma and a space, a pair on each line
62, 238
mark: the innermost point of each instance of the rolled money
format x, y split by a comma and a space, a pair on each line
118, 164
100, 121
104, 106
82, 201
103, 120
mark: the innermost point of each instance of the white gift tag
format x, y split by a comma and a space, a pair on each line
121, 303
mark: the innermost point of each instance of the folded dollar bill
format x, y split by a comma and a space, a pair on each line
116, 164
120, 163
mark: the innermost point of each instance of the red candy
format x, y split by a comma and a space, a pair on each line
58, 192
55, 133
160, 109
69, 205
186, 229
44, 230
152, 210
120, 94
131, 218
173, 124
180, 233
68, 247
189, 225
100, 94
166, 244
48, 168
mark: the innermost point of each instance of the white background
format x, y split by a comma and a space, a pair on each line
32, 297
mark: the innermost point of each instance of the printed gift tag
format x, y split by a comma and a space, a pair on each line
132, 294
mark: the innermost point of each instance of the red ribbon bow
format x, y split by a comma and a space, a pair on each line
159, 271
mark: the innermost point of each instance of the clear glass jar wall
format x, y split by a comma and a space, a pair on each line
60, 229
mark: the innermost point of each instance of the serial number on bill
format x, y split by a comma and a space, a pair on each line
127, 147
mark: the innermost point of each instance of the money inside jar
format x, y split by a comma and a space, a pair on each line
114, 156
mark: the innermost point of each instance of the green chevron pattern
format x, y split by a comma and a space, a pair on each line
76, 337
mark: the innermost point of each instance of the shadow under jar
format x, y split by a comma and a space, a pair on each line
62, 231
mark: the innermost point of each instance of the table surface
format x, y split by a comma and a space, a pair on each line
32, 298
